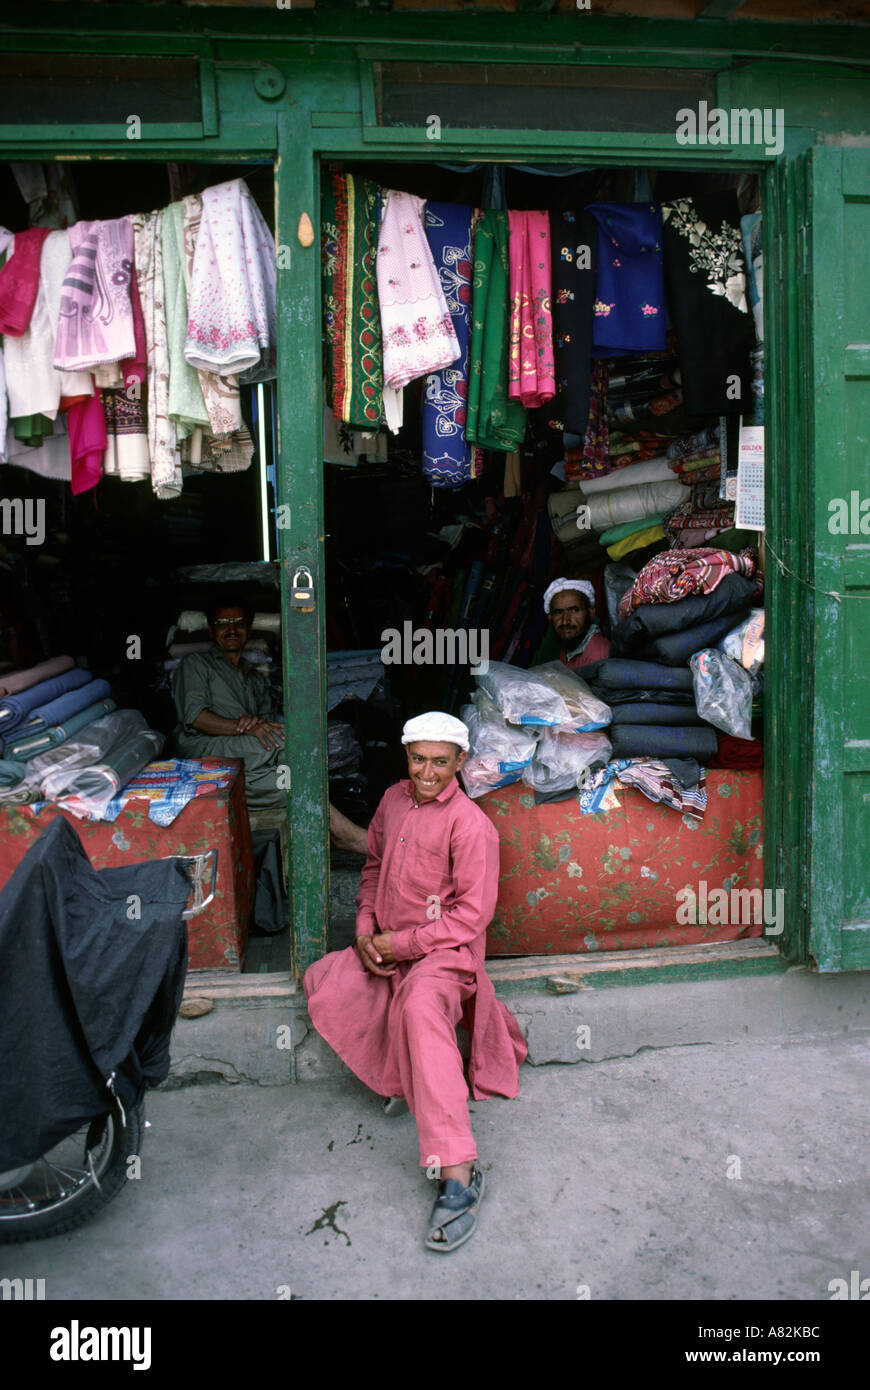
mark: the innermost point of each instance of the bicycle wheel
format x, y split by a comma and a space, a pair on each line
67, 1185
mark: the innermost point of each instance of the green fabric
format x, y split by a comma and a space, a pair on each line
493, 421
638, 541
28, 745
351, 221
735, 540
186, 402
207, 680
32, 429
11, 772
549, 649
628, 528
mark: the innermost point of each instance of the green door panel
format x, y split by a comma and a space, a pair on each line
838, 381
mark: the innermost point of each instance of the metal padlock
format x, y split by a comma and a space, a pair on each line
302, 594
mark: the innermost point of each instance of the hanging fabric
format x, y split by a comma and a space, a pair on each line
531, 368
574, 251
187, 408
417, 330
232, 324
703, 256
220, 392
448, 457
630, 289
95, 323
19, 281
35, 386
352, 322
162, 445
493, 420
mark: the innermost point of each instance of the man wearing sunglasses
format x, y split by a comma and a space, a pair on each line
225, 711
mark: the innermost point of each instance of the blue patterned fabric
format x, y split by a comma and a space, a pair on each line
447, 456
629, 312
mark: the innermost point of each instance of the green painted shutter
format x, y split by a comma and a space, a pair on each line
838, 400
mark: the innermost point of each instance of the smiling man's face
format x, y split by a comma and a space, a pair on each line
569, 614
230, 630
432, 767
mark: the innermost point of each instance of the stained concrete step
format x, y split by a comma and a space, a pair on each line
611, 1004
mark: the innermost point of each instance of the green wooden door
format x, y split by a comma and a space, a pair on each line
837, 384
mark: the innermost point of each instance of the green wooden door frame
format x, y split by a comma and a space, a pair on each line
306, 139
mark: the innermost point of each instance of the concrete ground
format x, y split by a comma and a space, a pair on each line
718, 1171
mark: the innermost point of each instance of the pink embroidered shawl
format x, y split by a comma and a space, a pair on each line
531, 372
416, 326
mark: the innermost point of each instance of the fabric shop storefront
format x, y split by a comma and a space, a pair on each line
235, 87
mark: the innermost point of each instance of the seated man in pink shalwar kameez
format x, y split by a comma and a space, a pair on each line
389, 1005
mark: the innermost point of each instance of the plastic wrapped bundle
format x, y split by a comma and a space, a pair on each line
562, 760
499, 751
723, 692
585, 711
745, 643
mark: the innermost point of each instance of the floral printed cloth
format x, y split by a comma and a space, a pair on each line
162, 443
531, 369
608, 881
676, 574
706, 277
417, 329
232, 313
630, 290
350, 218
574, 240
448, 457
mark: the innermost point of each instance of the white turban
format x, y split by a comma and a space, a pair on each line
436, 727
558, 586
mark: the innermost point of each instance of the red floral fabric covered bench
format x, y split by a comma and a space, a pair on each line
609, 881
218, 819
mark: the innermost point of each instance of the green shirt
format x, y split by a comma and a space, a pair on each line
207, 680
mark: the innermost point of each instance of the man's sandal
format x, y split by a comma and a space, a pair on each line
454, 1215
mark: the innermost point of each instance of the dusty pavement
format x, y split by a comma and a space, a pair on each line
620, 1176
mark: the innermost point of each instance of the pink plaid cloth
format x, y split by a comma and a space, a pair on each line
676, 574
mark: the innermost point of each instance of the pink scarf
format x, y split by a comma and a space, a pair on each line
96, 317
416, 325
532, 373
19, 281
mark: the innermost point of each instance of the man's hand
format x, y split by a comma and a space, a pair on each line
373, 956
269, 734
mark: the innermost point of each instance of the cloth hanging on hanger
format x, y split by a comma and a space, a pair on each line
34, 384
95, 322
87, 442
493, 420
232, 324
630, 287
574, 250
448, 457
531, 367
162, 445
417, 330
220, 392
187, 407
590, 460
125, 409
705, 270
19, 281
352, 320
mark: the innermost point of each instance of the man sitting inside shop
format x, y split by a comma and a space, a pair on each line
570, 606
225, 711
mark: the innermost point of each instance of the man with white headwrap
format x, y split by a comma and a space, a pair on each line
569, 604
389, 1005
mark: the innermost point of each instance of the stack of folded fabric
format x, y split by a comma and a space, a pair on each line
653, 710
41, 715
